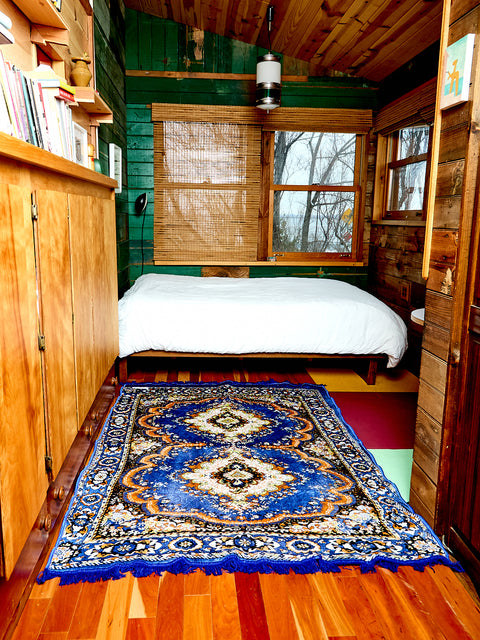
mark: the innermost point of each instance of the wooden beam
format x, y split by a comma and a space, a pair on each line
432, 185
204, 75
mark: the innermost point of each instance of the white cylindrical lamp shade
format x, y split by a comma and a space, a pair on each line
269, 81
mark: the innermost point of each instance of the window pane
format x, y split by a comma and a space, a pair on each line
407, 186
313, 221
413, 142
306, 158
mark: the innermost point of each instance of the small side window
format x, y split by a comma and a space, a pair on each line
407, 173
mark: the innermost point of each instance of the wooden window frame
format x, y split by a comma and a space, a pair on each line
357, 188
415, 108
391, 165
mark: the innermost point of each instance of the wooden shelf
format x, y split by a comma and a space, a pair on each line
42, 12
26, 153
87, 7
91, 102
406, 222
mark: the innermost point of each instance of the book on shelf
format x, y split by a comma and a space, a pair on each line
37, 109
5, 122
48, 78
58, 92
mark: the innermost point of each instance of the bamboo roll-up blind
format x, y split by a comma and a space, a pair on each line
207, 185
415, 107
284, 119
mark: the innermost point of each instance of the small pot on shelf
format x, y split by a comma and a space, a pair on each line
81, 74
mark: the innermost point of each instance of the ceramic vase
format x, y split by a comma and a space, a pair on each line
81, 74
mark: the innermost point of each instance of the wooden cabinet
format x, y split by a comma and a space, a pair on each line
58, 283
23, 481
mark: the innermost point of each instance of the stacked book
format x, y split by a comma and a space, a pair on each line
36, 107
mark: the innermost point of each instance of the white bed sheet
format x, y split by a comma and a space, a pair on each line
257, 315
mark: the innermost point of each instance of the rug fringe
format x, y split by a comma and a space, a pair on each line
235, 565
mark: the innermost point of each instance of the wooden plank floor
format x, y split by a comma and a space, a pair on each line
429, 605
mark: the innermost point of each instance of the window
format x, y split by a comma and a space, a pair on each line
407, 172
234, 185
316, 195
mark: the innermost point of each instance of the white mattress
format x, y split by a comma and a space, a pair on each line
257, 315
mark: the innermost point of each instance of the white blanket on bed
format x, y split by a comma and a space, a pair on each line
257, 315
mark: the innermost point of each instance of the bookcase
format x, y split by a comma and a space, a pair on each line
40, 30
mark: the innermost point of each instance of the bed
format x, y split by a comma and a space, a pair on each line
170, 315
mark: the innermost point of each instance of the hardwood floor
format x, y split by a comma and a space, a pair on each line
434, 604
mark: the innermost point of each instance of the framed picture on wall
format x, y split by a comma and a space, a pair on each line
115, 164
458, 68
80, 145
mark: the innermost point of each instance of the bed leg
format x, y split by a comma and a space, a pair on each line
372, 371
122, 370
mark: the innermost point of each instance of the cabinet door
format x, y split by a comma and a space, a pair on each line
463, 532
23, 480
53, 260
95, 297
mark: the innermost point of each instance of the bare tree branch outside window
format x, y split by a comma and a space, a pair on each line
408, 170
318, 218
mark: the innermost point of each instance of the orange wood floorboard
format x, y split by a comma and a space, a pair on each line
225, 615
349, 605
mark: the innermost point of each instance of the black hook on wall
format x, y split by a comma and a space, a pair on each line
140, 207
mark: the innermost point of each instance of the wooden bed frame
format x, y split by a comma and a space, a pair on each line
370, 377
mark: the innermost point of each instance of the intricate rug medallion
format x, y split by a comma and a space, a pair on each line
237, 477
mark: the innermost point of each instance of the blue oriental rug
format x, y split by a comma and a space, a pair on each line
233, 477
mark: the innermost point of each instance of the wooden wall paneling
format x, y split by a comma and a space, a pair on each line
438, 309
53, 259
78, 28
423, 494
399, 263
21, 49
431, 400
447, 212
434, 370
429, 431
444, 246
22, 429
453, 142
450, 179
441, 278
436, 340
426, 459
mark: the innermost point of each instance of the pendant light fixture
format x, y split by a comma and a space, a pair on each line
269, 71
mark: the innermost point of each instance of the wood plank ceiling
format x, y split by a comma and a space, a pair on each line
364, 38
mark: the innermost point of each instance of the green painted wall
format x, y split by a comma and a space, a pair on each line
153, 44
109, 31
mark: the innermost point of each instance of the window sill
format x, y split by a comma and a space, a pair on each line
406, 222
260, 263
